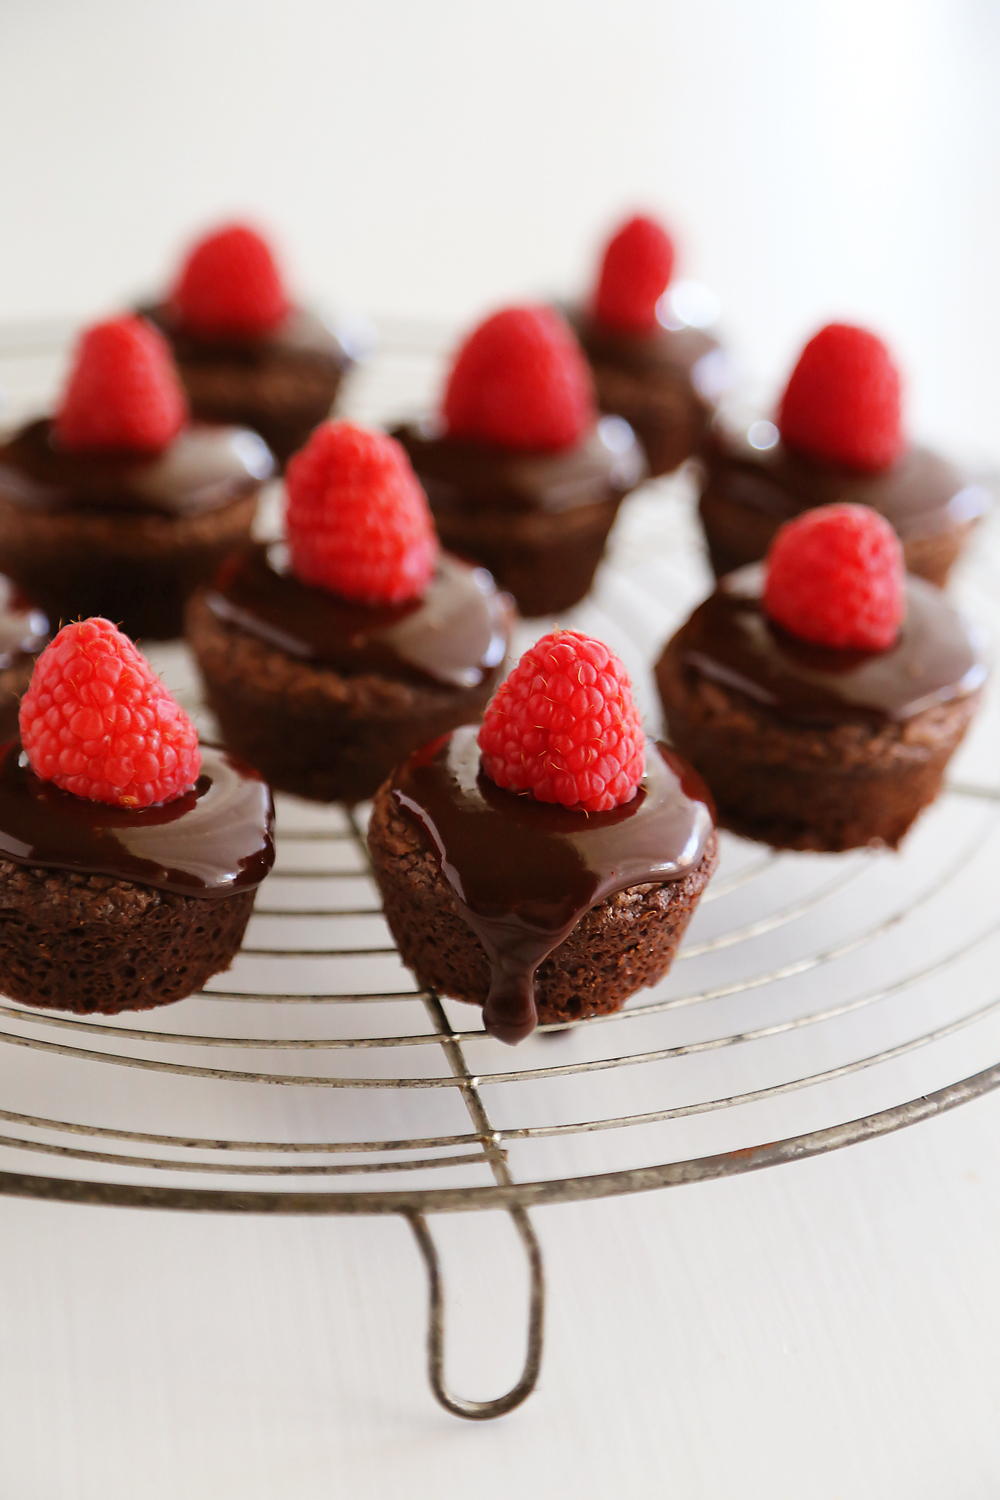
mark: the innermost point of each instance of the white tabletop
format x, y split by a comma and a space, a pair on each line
826, 1329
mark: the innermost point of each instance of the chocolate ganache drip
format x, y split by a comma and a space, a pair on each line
936, 657
213, 841
524, 872
453, 637
204, 469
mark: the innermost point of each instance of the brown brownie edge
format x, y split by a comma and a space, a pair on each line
91, 943
308, 729
807, 786
621, 945
737, 533
136, 569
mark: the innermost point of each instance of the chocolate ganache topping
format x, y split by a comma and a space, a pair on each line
302, 334
678, 348
524, 872
213, 841
937, 656
453, 637
460, 474
24, 631
204, 469
920, 495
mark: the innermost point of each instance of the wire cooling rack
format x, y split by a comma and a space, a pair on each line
817, 1000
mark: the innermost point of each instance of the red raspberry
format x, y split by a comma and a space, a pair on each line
98, 721
123, 391
358, 522
635, 272
230, 284
835, 576
842, 402
520, 381
564, 727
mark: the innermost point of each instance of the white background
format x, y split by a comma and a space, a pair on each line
827, 1330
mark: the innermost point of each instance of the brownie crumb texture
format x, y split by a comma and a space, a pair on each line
309, 730
91, 943
546, 559
135, 569
825, 787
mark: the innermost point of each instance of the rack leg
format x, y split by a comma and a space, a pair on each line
482, 1411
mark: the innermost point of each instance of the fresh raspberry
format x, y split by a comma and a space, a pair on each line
123, 391
358, 522
230, 284
835, 576
635, 273
98, 722
842, 402
563, 726
520, 381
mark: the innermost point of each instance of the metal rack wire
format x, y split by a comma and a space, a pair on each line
818, 1001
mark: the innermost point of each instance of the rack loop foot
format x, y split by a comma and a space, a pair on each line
482, 1411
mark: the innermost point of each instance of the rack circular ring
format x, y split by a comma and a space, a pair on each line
818, 1001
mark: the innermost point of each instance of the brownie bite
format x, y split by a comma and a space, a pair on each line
757, 474
98, 516
111, 900
811, 746
521, 474
246, 354
24, 632
534, 906
652, 362
539, 522
753, 483
325, 692
665, 383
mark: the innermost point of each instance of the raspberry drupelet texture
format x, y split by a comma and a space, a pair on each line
98, 722
635, 272
520, 381
357, 519
843, 401
230, 284
123, 391
835, 576
564, 726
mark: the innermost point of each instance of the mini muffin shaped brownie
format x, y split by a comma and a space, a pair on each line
327, 660
245, 352
520, 473
547, 868
129, 859
650, 365
822, 696
118, 506
837, 439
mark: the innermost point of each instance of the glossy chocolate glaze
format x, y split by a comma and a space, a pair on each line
463, 475
24, 630
936, 657
213, 841
302, 333
920, 495
204, 469
453, 637
678, 349
523, 872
